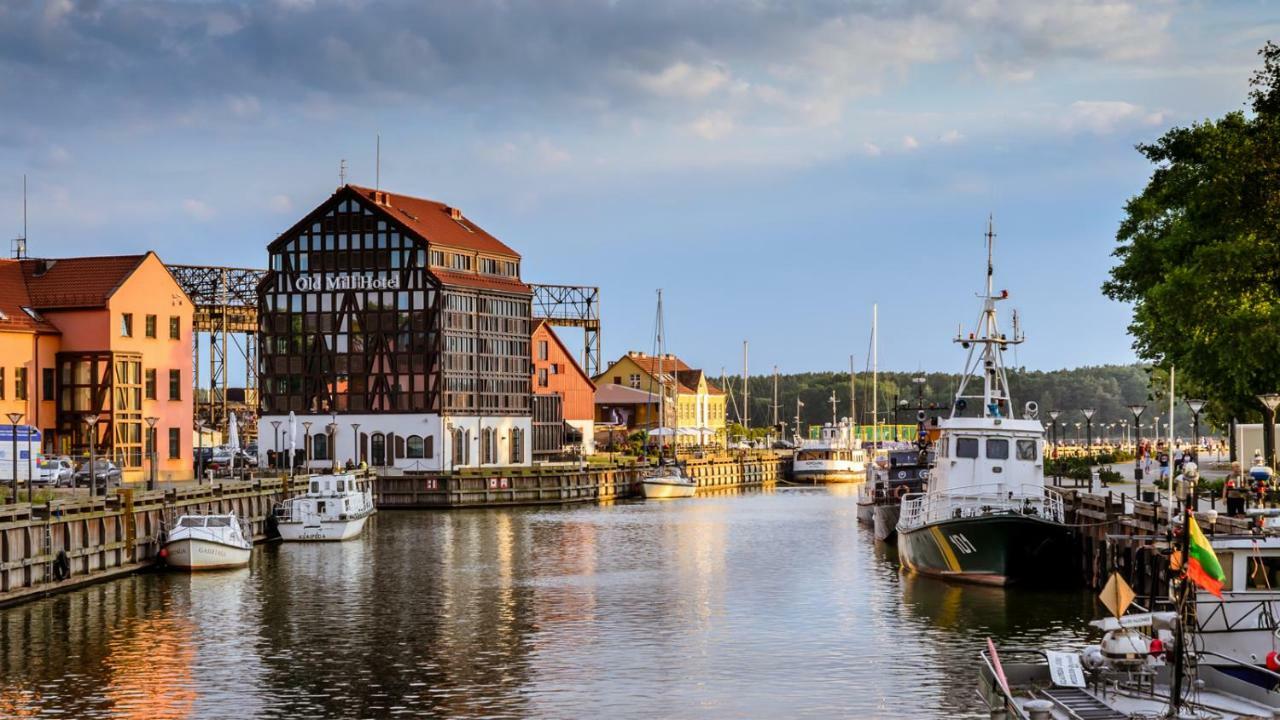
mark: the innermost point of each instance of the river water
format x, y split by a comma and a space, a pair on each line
771, 604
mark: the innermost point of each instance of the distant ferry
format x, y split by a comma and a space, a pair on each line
835, 457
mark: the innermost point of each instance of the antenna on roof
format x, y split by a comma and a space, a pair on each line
19, 249
342, 172
377, 165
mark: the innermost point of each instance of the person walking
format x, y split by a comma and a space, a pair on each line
1233, 490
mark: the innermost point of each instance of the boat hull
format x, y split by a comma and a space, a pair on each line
885, 520
197, 554
828, 476
991, 550
866, 512
324, 531
662, 490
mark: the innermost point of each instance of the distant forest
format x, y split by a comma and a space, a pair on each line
1107, 388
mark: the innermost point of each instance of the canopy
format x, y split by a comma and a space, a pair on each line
233, 433
662, 432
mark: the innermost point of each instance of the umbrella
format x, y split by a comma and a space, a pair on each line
662, 431
233, 441
293, 438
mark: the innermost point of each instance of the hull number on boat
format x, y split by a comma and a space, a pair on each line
962, 544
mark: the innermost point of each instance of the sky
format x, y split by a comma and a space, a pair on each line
776, 167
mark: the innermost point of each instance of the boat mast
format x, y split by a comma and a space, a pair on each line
875, 375
853, 405
746, 405
996, 401
775, 397
662, 384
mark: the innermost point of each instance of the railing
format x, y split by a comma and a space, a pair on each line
981, 500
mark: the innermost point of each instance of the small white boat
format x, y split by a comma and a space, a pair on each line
208, 542
668, 482
335, 507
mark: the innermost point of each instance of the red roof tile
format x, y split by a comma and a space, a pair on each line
481, 281
433, 221
76, 282
13, 298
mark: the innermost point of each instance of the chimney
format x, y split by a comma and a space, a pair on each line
455, 213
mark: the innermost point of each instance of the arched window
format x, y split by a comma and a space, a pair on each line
461, 443
413, 444
320, 446
378, 443
429, 449
517, 446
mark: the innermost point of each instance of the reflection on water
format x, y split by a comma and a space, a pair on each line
772, 604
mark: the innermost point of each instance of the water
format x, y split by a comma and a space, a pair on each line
774, 604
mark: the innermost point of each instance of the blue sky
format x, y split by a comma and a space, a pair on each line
775, 167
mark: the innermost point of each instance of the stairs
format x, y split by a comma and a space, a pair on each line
1080, 705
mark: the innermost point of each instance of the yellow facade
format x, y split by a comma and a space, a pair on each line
700, 406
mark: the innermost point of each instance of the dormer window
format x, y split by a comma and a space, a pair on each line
460, 262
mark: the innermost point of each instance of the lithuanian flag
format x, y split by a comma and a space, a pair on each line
1202, 565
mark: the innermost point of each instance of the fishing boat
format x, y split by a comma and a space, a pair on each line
668, 479
835, 456
335, 507
987, 516
900, 471
208, 542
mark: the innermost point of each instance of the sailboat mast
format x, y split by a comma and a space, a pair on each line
746, 405
662, 385
775, 397
853, 403
875, 373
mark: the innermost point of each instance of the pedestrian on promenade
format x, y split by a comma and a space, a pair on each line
1233, 490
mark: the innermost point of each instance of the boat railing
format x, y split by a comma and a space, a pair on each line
920, 509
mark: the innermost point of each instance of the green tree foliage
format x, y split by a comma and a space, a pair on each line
1198, 252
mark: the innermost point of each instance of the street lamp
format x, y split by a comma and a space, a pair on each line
1196, 406
275, 440
1078, 426
1137, 411
91, 420
1269, 401
1053, 415
14, 419
1088, 419
151, 456
355, 442
332, 427
306, 446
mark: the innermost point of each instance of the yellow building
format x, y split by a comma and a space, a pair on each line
700, 409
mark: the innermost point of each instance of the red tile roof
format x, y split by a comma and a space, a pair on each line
76, 282
433, 221
481, 281
14, 297
685, 375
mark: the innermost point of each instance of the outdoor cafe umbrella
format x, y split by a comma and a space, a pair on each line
233, 440
293, 438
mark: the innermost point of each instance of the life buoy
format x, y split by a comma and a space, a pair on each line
902, 490
902, 474
61, 566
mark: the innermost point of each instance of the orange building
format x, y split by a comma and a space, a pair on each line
104, 336
557, 375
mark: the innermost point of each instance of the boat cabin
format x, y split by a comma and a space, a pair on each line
990, 456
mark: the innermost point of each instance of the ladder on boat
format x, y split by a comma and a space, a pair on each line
1080, 705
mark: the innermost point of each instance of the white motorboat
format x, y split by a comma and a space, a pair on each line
335, 507
835, 457
208, 542
668, 482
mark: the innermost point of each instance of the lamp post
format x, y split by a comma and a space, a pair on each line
1078, 426
306, 446
1137, 410
1196, 406
199, 451
275, 440
1088, 420
332, 427
1269, 401
91, 420
355, 443
14, 419
151, 445
1053, 415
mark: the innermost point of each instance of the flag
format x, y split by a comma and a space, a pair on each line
1202, 565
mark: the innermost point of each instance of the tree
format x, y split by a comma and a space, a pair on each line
1199, 253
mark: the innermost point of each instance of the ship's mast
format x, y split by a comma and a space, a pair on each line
996, 401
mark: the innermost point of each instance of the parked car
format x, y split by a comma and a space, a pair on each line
104, 470
56, 471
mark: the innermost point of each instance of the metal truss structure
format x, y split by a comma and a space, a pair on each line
573, 306
226, 309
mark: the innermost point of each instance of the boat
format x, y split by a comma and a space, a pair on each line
987, 516
208, 542
335, 507
668, 479
895, 474
835, 456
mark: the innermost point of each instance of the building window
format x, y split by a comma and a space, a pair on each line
517, 446
175, 327
461, 262
461, 447
542, 377
175, 384
510, 268
489, 266
413, 447
149, 387
542, 350
437, 258
488, 446
126, 325
634, 380
151, 326
175, 443
320, 446
20, 383
1, 383
555, 369
46, 383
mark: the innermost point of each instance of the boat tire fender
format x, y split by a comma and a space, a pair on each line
61, 566
902, 490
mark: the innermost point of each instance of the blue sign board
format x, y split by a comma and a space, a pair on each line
26, 433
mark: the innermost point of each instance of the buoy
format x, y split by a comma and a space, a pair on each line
1156, 646
164, 552
1273, 661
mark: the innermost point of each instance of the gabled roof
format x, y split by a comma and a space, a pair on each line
610, 394
13, 298
480, 280
686, 376
434, 223
540, 324
79, 282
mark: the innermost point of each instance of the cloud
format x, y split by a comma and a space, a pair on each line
909, 143
243, 106
682, 80
197, 209
1103, 117
950, 136
712, 126
871, 149
280, 203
